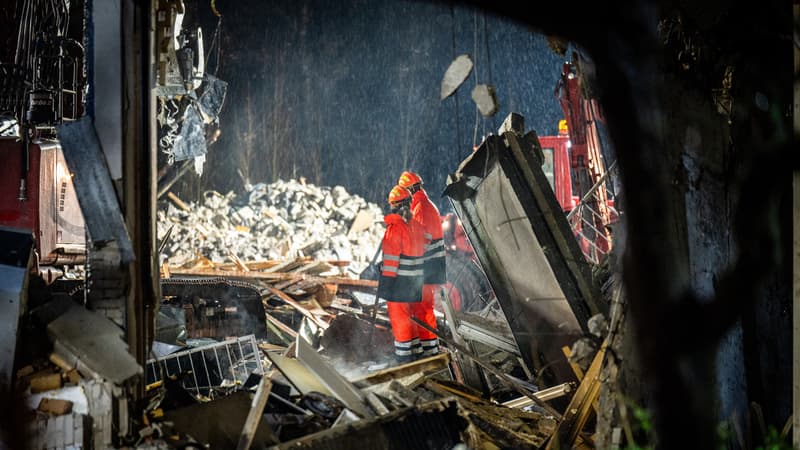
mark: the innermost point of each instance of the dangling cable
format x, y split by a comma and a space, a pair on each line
475, 72
455, 96
488, 58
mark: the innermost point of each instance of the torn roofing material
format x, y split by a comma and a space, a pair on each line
526, 247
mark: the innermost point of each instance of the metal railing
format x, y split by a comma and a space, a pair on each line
207, 369
589, 218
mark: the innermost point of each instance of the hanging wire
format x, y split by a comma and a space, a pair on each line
453, 52
488, 58
475, 72
215, 47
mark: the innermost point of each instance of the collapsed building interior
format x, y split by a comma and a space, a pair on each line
192, 217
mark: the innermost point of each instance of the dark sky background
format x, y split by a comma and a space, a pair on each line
347, 92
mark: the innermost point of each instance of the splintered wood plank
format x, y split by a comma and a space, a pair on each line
580, 407
313, 268
178, 202
254, 416
236, 260
290, 301
425, 365
276, 276
281, 326
575, 367
287, 266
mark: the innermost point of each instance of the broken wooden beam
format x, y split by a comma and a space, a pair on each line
289, 300
281, 326
254, 416
281, 276
425, 365
178, 202
496, 372
580, 406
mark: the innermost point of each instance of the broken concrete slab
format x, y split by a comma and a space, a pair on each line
527, 249
298, 375
94, 344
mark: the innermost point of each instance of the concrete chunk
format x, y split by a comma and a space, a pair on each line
94, 343
456, 73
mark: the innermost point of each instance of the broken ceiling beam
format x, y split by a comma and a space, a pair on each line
92, 343
376, 403
342, 389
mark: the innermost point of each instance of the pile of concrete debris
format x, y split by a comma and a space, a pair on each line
281, 220
292, 357
279, 354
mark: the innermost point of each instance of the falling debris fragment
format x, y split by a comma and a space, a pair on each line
484, 96
455, 75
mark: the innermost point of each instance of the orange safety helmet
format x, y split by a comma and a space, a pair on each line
409, 179
399, 195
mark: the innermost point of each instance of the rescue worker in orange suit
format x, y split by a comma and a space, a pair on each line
424, 212
400, 283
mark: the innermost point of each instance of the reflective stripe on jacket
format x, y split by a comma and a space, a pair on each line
403, 261
427, 215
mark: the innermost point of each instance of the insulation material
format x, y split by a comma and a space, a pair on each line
191, 142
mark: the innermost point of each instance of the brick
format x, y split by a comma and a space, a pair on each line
45, 382
56, 407
25, 371
73, 376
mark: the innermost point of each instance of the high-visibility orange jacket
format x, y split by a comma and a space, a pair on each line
403, 258
427, 215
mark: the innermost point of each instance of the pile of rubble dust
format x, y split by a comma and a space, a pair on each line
282, 220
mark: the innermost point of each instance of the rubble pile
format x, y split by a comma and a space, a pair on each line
281, 220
